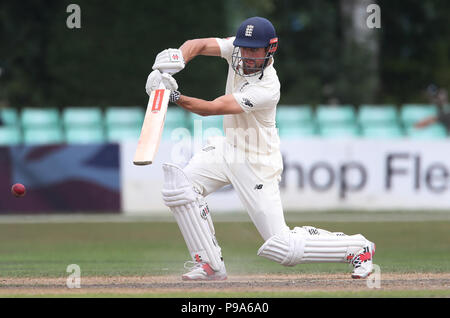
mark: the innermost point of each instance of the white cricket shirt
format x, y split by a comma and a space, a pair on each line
254, 131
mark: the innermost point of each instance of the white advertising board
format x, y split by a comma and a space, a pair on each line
319, 174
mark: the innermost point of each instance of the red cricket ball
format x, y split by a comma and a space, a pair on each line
18, 190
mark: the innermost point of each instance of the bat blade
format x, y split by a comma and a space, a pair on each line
152, 127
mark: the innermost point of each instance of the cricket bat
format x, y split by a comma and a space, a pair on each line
152, 126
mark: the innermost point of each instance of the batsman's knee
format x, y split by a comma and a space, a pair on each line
285, 248
177, 189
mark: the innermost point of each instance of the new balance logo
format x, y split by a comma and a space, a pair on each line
247, 102
258, 187
249, 30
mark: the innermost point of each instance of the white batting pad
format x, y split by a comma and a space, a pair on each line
311, 245
192, 216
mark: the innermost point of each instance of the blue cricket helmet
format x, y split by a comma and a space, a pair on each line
255, 32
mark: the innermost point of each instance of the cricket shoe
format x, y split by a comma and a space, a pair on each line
202, 271
362, 261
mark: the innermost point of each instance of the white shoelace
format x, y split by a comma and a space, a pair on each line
190, 265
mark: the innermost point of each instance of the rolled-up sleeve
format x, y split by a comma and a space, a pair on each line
226, 47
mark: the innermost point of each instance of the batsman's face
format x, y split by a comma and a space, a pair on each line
253, 59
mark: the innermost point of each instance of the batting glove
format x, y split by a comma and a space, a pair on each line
169, 82
169, 61
153, 81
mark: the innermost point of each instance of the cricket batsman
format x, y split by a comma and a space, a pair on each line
248, 157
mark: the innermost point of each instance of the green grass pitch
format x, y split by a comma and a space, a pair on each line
157, 248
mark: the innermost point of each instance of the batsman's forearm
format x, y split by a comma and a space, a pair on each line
196, 105
205, 46
191, 49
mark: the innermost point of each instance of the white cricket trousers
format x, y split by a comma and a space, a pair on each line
215, 167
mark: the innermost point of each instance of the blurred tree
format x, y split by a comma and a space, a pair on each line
107, 61
415, 49
315, 62
321, 58
24, 38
